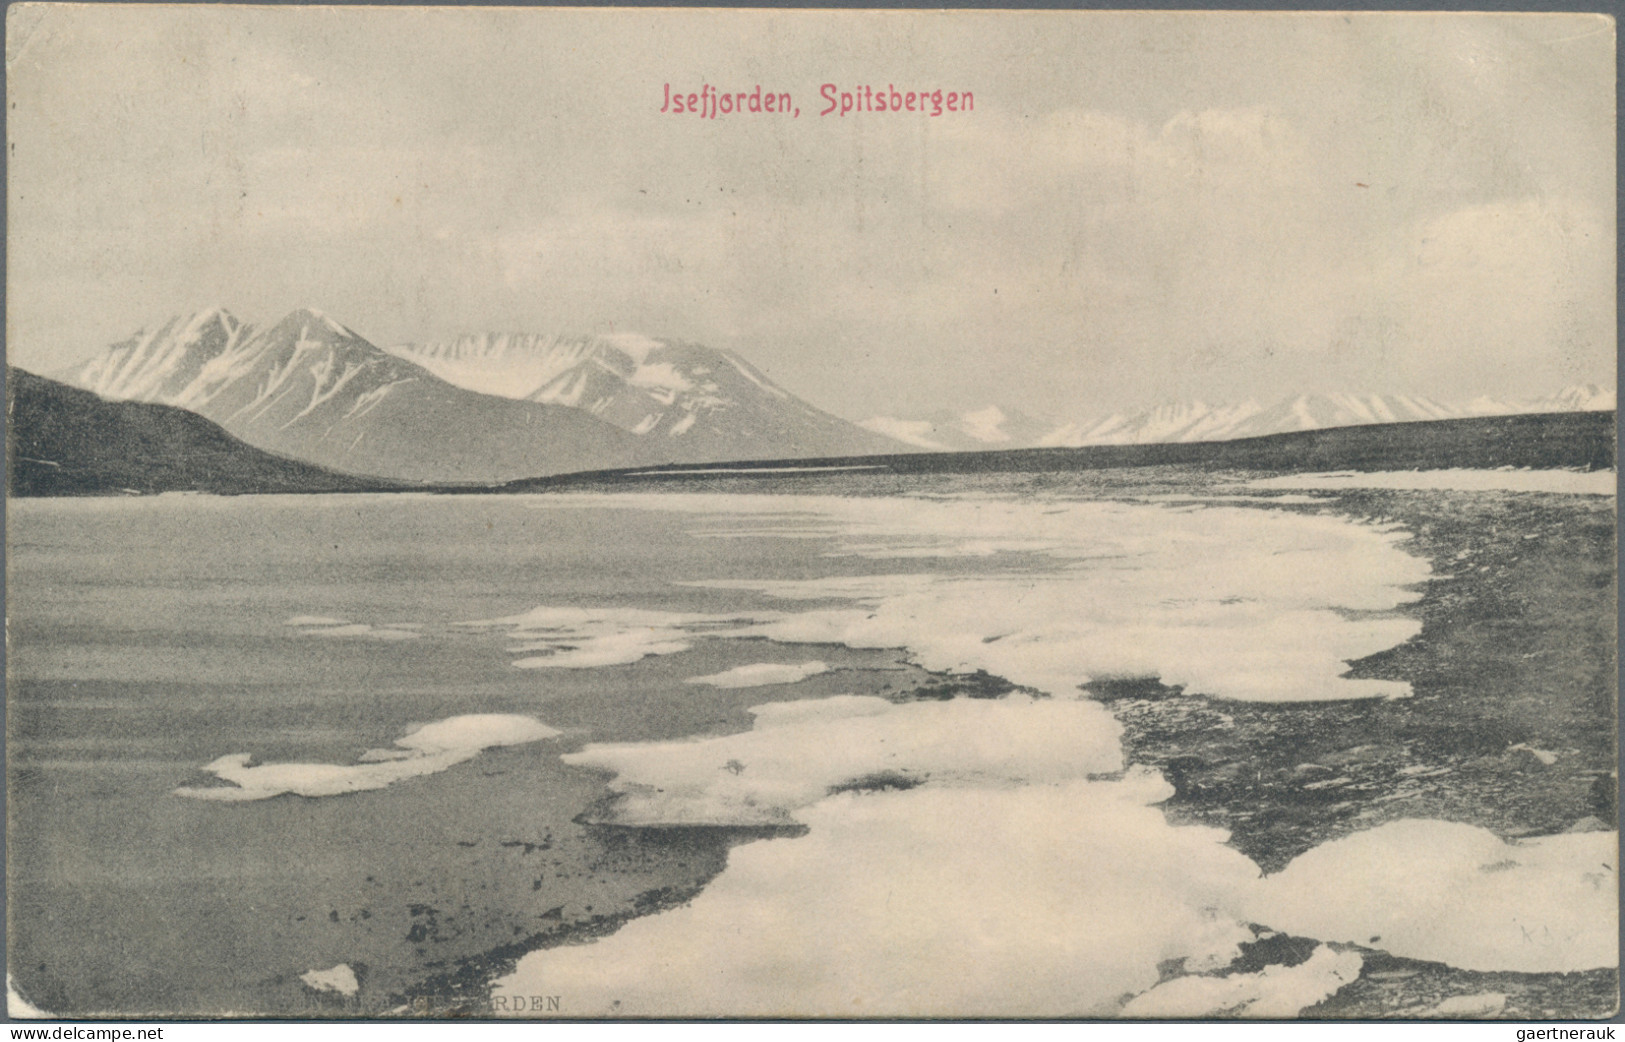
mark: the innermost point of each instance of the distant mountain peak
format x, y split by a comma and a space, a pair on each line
685, 401
311, 388
635, 345
308, 320
990, 427
1199, 420
213, 314
481, 407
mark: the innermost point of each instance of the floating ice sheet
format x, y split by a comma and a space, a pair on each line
1227, 601
800, 752
995, 900
1456, 894
326, 626
427, 750
996, 834
761, 674
585, 638
1275, 992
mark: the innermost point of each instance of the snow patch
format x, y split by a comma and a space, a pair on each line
909, 432
1483, 1004
339, 980
745, 369
634, 345
760, 674
663, 375
366, 401
1544, 756
427, 750
19, 1008
332, 326
985, 425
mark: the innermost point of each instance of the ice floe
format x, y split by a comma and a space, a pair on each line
800, 752
997, 834
1545, 756
1482, 1004
761, 674
427, 750
1456, 894
586, 638
1000, 834
326, 626
340, 980
1274, 992
1572, 482
1055, 633
1030, 900
1232, 602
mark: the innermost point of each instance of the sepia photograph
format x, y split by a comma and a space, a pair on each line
656, 514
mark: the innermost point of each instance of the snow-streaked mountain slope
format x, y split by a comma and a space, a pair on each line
508, 365
157, 365
685, 402
311, 388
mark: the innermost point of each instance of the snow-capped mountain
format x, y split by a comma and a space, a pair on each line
1184, 421
1578, 398
1198, 421
945, 431
311, 388
684, 402
1201, 421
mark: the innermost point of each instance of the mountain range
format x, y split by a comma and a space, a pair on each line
684, 402
312, 388
495, 407
995, 428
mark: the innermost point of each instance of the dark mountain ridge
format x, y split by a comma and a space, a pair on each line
63, 441
1582, 440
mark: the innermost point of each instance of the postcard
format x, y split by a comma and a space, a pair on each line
566, 513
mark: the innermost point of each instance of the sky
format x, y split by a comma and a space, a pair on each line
1141, 207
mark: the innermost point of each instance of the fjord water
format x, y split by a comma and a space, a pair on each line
594, 645
149, 637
